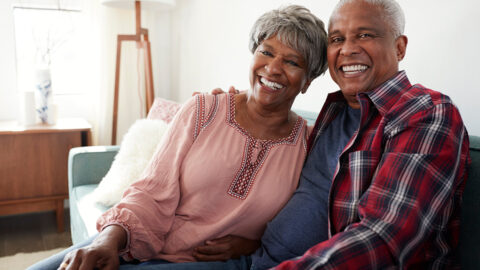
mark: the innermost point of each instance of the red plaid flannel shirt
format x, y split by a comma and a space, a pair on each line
396, 192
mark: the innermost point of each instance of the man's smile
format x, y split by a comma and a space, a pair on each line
353, 69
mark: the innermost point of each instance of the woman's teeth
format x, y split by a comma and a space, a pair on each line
273, 85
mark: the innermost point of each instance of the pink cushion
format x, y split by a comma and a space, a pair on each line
163, 109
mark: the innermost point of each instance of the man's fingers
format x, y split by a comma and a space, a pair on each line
217, 91
221, 240
233, 90
213, 249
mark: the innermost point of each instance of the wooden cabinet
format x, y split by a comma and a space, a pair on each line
34, 163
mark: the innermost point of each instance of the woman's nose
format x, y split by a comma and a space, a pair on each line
274, 66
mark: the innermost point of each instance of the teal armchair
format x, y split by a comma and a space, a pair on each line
86, 168
469, 246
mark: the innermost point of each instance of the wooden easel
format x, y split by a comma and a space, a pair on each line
141, 38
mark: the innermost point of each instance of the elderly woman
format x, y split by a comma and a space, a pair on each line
227, 164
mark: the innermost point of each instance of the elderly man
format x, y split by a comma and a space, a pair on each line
396, 191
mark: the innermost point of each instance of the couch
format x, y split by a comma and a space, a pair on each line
88, 165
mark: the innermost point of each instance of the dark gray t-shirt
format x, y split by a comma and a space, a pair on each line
302, 223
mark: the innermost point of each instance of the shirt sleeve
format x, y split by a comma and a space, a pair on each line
410, 199
148, 206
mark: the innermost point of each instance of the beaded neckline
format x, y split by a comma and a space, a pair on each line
290, 139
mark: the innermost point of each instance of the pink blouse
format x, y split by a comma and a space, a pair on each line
208, 178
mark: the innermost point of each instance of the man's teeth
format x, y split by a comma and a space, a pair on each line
354, 68
273, 85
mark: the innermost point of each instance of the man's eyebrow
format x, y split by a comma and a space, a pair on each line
334, 32
359, 29
373, 29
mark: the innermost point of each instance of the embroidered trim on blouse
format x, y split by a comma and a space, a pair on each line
212, 113
245, 176
201, 122
200, 100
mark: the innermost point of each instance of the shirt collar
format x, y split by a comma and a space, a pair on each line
383, 97
386, 95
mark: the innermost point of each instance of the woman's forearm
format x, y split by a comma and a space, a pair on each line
113, 236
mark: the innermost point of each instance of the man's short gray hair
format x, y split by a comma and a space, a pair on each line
296, 27
392, 10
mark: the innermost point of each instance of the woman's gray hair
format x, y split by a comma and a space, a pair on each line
296, 27
392, 11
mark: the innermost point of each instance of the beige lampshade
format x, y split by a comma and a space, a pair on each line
146, 4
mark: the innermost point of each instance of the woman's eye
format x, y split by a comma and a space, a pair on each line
267, 53
293, 63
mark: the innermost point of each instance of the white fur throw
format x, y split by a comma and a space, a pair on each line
137, 148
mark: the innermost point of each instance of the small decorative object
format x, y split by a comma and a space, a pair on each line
28, 106
43, 94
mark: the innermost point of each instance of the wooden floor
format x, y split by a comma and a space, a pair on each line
32, 232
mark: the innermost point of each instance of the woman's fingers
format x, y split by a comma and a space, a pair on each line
72, 261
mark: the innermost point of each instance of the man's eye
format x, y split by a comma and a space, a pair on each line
365, 35
336, 40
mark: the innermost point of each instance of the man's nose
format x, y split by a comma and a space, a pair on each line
349, 48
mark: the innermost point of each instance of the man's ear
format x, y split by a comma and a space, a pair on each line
401, 45
305, 87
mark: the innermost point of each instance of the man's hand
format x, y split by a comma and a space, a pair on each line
102, 253
225, 248
218, 91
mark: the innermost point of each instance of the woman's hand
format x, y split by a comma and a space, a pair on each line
102, 253
225, 248
218, 91
92, 257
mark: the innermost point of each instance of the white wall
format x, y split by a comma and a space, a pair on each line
203, 44
211, 47
8, 82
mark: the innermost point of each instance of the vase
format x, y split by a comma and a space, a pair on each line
43, 94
